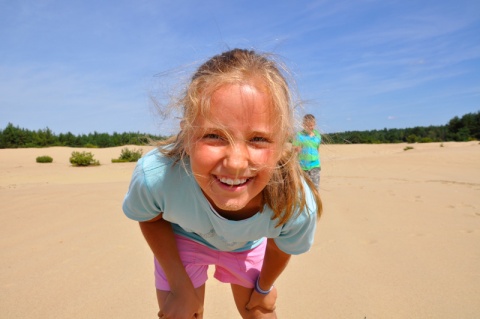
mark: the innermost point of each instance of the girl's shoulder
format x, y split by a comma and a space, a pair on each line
155, 167
154, 159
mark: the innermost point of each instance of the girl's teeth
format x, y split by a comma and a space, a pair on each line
232, 182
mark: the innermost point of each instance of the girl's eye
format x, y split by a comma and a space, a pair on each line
260, 139
212, 136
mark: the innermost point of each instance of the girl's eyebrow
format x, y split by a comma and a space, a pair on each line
214, 129
265, 133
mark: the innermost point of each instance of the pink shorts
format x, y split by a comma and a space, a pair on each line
240, 268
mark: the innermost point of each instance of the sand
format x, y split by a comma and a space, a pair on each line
399, 238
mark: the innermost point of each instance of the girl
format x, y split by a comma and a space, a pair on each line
226, 191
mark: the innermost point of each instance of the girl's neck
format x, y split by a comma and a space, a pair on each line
241, 214
236, 215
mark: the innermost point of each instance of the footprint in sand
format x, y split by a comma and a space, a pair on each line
370, 242
416, 235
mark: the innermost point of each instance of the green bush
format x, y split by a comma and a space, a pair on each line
426, 140
83, 159
128, 156
412, 138
44, 159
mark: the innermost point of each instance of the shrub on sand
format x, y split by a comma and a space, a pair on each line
83, 159
44, 159
128, 156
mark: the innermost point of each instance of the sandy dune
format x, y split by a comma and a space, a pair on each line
400, 238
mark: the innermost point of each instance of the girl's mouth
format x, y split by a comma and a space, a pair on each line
233, 182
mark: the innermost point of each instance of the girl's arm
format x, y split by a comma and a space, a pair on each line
274, 263
182, 302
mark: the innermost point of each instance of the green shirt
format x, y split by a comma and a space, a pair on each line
308, 156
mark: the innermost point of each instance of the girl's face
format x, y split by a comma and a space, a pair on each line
235, 149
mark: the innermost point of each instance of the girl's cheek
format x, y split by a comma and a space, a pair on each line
264, 157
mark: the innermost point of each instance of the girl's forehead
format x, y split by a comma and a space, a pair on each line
239, 118
242, 100
241, 108
246, 123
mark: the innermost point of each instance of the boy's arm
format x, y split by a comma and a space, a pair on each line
182, 301
274, 263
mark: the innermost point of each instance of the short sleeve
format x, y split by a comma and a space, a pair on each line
296, 141
139, 204
319, 136
297, 235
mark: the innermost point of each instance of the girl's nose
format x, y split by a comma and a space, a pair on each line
237, 157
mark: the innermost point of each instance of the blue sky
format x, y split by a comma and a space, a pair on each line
84, 66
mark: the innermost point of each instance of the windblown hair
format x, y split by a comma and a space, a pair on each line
285, 193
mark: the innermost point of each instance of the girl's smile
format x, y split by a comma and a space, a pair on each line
235, 150
233, 182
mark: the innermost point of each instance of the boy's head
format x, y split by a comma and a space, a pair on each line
309, 123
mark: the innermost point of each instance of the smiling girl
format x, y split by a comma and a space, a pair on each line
226, 190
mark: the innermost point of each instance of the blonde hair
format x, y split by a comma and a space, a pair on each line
284, 194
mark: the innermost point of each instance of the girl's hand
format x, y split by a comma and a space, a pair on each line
182, 305
266, 302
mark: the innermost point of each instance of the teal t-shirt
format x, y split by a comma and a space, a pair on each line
158, 186
308, 156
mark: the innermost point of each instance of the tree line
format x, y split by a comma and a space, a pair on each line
466, 128
462, 129
15, 137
